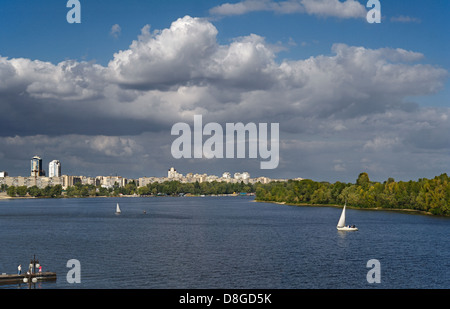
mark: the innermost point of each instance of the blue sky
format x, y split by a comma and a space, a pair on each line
38, 29
412, 39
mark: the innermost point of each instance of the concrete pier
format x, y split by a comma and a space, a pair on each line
11, 279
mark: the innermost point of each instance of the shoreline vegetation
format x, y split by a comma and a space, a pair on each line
424, 196
167, 188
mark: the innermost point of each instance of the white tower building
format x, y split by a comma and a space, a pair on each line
54, 169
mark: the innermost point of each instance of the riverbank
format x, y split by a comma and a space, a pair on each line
403, 210
4, 196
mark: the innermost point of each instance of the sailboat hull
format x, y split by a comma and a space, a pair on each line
346, 228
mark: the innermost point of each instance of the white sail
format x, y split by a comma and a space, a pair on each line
117, 209
341, 222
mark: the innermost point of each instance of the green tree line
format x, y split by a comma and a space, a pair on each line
77, 190
430, 195
165, 188
196, 188
34, 191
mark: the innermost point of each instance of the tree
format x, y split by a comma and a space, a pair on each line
363, 180
144, 190
11, 191
84, 192
21, 191
73, 191
56, 191
101, 191
34, 191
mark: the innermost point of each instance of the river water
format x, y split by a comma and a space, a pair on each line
220, 243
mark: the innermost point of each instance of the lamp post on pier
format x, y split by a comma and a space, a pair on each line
34, 264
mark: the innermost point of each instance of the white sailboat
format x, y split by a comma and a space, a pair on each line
341, 224
118, 209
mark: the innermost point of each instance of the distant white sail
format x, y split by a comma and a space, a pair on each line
341, 222
118, 209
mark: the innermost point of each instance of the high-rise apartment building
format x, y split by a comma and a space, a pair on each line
36, 167
172, 173
54, 169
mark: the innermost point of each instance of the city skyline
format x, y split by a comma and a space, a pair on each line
101, 96
39, 178
55, 171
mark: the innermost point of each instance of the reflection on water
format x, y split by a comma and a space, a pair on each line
342, 236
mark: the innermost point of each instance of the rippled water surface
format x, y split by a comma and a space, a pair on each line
221, 242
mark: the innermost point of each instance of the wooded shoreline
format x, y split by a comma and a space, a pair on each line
429, 196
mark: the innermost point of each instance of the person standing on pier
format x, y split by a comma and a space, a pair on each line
19, 269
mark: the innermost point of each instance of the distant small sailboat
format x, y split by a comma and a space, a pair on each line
118, 209
341, 224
